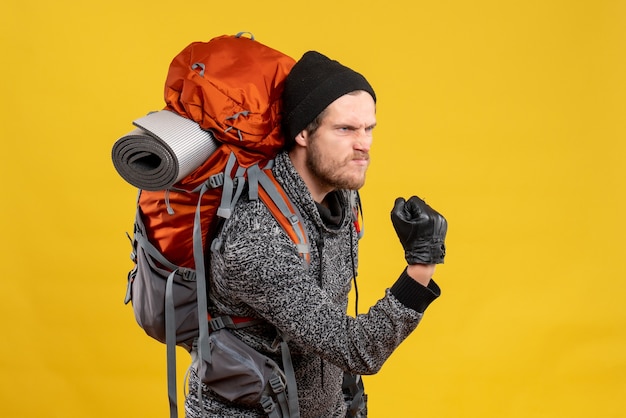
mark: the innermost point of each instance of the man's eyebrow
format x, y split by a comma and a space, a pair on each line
353, 125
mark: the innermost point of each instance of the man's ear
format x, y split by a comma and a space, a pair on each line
302, 138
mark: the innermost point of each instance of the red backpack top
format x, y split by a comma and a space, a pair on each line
232, 86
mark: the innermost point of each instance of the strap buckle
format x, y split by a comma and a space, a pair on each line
277, 385
267, 404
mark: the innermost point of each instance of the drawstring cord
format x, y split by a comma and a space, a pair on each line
356, 288
320, 249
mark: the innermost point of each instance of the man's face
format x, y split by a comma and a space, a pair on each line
338, 151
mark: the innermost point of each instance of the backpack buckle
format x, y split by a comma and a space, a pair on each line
267, 404
217, 323
276, 384
187, 274
216, 180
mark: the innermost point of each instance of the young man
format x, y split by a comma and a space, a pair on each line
329, 116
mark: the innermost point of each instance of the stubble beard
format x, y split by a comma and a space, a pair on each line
330, 173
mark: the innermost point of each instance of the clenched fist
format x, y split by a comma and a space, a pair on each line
421, 229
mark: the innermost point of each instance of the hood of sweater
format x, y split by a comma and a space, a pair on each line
297, 190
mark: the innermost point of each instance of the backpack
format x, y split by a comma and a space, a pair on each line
224, 93
191, 161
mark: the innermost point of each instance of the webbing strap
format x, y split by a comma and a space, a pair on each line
155, 254
170, 342
204, 351
283, 404
241, 181
278, 388
225, 208
139, 235
292, 387
231, 191
254, 172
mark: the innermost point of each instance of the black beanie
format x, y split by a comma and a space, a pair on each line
312, 84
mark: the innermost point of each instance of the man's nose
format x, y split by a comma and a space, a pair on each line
363, 140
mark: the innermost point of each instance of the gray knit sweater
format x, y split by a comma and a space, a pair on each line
259, 273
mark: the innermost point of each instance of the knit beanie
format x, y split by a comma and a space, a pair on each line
313, 83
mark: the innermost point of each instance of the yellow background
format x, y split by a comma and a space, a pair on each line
507, 116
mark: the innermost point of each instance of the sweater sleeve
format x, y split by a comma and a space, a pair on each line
414, 295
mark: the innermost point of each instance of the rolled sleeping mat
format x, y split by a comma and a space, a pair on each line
163, 149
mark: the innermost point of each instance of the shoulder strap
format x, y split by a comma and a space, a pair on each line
274, 197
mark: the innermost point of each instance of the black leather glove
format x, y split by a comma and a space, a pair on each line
421, 229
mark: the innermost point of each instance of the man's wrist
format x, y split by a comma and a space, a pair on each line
413, 294
421, 273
